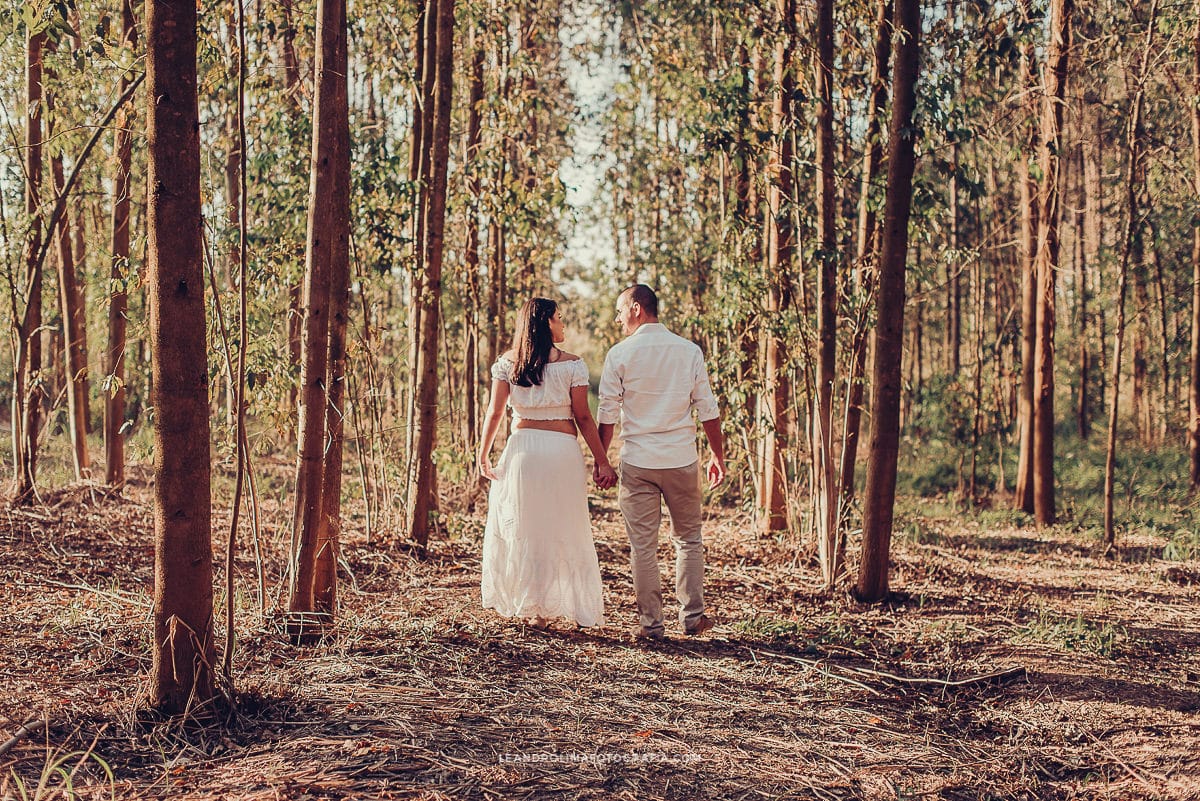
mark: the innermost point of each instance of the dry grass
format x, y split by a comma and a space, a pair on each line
798, 694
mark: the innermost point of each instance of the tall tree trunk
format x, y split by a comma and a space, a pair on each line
421, 478
880, 492
338, 233
27, 385
81, 253
867, 261
1048, 260
1134, 175
1084, 266
471, 254
74, 323
1194, 387
954, 266
780, 246
1023, 496
295, 314
326, 262
1142, 406
233, 221
418, 171
181, 676
825, 494
118, 303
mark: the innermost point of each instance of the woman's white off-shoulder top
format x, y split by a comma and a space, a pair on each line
550, 400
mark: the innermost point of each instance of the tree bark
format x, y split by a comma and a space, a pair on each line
880, 492
867, 256
421, 477
1194, 386
118, 303
825, 494
27, 386
181, 676
1048, 260
327, 251
338, 233
74, 323
1135, 174
1023, 495
471, 254
780, 247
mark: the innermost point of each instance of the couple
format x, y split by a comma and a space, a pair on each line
539, 560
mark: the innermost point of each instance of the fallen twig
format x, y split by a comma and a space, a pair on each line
26, 729
996, 678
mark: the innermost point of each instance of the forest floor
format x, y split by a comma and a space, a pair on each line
796, 693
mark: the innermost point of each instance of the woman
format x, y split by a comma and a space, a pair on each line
539, 560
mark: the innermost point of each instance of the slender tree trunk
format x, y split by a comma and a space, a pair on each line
81, 253
954, 266
1159, 430
825, 495
327, 252
1048, 260
880, 492
421, 478
295, 314
1134, 175
1023, 495
779, 257
181, 676
338, 233
1084, 265
75, 357
118, 303
27, 386
867, 266
422, 134
1140, 397
471, 254
1194, 387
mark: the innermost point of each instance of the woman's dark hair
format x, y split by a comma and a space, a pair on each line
532, 341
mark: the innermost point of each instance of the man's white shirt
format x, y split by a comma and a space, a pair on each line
652, 382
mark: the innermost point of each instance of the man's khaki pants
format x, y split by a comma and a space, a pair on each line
639, 498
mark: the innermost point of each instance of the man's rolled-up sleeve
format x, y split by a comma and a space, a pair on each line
704, 403
611, 393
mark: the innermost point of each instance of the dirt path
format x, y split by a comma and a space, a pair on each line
795, 694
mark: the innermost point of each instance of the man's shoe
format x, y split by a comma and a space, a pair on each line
651, 634
701, 625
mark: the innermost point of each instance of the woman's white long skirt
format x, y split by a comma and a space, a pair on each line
538, 556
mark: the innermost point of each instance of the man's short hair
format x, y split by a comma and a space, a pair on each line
643, 296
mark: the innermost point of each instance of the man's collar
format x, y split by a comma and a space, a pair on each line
647, 327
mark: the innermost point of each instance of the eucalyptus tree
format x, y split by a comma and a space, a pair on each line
183, 653
314, 547
27, 380
878, 511
440, 42
1048, 258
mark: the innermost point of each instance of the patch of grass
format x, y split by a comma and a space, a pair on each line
57, 778
1182, 545
1075, 634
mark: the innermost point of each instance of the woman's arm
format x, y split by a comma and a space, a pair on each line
491, 424
604, 474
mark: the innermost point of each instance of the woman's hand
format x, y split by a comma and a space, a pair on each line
484, 463
604, 476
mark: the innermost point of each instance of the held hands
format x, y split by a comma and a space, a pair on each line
715, 472
604, 476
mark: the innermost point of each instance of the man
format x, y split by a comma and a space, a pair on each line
652, 382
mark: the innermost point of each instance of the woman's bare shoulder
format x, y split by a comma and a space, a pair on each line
563, 356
